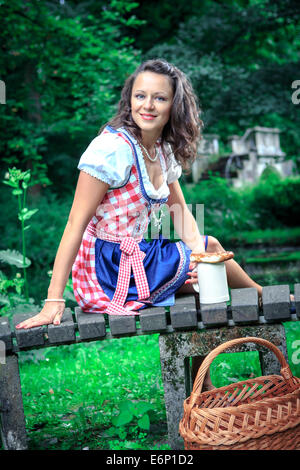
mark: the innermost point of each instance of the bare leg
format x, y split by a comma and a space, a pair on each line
236, 276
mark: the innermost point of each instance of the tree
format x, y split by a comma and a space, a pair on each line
242, 58
63, 64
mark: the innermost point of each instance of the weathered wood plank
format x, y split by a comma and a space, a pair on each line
153, 319
5, 333
90, 325
185, 299
214, 314
30, 337
276, 302
244, 305
63, 333
122, 324
183, 316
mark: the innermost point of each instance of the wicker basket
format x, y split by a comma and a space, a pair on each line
257, 414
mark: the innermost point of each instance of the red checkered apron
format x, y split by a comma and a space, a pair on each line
122, 217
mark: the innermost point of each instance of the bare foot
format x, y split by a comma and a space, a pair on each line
260, 303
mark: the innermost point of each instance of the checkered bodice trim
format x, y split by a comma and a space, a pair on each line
125, 211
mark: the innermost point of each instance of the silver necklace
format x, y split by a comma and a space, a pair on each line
148, 154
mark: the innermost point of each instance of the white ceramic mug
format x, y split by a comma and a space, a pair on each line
212, 283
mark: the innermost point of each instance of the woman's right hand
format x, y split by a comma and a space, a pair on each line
52, 312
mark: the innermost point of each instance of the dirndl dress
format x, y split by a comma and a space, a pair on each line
117, 271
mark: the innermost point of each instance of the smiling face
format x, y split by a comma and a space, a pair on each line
151, 102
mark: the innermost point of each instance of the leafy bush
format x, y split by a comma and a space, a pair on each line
225, 212
14, 292
132, 420
272, 203
41, 240
276, 201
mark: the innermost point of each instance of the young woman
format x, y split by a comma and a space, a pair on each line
128, 172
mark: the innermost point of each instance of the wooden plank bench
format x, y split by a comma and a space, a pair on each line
187, 329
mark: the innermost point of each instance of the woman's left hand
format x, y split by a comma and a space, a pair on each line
193, 265
192, 273
216, 257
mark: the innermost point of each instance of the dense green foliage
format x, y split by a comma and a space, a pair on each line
242, 58
64, 63
270, 204
63, 66
277, 201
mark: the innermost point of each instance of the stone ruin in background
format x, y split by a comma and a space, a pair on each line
251, 154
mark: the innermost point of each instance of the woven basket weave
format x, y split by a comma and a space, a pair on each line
257, 414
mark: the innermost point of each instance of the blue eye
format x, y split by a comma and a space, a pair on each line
140, 96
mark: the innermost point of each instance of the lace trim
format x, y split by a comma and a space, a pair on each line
92, 172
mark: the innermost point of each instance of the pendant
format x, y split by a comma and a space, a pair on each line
157, 220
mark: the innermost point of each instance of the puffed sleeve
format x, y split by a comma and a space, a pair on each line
174, 169
108, 158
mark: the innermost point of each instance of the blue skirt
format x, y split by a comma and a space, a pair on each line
166, 265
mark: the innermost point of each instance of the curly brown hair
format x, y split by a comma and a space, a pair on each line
183, 130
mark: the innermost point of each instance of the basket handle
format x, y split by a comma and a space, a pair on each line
198, 383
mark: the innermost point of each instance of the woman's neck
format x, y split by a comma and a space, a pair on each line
149, 140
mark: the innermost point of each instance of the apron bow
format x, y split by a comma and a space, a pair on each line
131, 257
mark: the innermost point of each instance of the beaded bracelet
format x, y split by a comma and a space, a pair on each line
54, 300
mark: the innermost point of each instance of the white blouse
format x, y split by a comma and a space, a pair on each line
109, 158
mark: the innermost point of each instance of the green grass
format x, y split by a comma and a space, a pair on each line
72, 393
284, 257
268, 237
